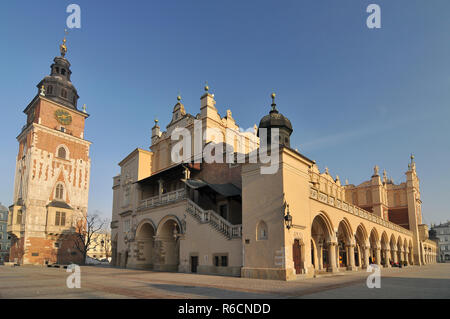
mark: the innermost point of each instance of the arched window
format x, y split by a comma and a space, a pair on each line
262, 232
64, 93
59, 192
62, 153
50, 89
63, 71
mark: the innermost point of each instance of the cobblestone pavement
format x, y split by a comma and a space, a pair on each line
431, 281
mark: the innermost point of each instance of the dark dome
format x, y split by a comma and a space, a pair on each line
58, 86
275, 119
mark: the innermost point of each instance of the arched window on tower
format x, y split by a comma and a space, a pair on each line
64, 93
62, 153
262, 231
59, 192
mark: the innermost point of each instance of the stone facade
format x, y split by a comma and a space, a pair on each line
52, 175
228, 218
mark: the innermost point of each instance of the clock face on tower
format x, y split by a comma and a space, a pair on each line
63, 117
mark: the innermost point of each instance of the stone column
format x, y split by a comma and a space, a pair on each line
332, 256
320, 256
378, 256
351, 257
359, 257
395, 255
388, 258
366, 256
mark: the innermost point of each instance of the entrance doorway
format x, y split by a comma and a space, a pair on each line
194, 264
297, 255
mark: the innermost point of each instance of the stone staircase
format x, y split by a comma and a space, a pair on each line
216, 221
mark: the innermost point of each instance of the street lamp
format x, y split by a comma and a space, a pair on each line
288, 218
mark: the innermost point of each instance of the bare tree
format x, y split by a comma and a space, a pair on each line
87, 227
107, 240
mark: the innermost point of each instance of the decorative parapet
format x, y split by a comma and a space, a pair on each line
355, 210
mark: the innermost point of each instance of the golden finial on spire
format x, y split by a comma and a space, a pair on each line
273, 95
63, 47
179, 97
206, 86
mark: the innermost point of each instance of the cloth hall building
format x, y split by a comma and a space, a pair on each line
229, 219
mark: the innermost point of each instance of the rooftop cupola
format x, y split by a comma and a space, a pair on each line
57, 86
277, 120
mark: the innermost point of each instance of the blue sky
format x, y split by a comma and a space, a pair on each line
356, 97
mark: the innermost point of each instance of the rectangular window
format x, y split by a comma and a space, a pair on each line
63, 219
60, 219
221, 260
57, 218
19, 217
224, 261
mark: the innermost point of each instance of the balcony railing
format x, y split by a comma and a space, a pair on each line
215, 220
163, 199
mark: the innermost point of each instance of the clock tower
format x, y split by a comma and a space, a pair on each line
52, 173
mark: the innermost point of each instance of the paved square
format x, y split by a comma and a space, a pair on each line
431, 281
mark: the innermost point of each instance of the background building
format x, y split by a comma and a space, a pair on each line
100, 246
442, 232
5, 241
52, 173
